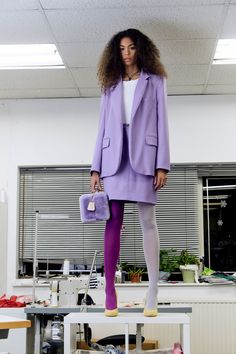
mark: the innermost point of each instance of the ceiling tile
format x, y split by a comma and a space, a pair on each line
159, 23
198, 51
185, 90
19, 5
185, 31
75, 4
186, 74
38, 93
229, 28
222, 74
23, 27
221, 89
90, 91
44, 78
85, 77
81, 54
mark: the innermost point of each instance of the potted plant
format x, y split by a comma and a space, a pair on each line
169, 262
189, 264
135, 274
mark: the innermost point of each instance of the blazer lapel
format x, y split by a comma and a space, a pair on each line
139, 91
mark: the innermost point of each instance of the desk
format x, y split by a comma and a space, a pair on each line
126, 319
8, 322
35, 313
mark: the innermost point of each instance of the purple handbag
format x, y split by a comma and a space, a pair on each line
94, 207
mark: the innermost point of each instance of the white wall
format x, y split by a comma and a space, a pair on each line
202, 128
62, 132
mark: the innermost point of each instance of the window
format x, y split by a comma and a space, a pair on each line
56, 190
219, 200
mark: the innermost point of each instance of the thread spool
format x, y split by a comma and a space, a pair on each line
54, 294
66, 267
54, 302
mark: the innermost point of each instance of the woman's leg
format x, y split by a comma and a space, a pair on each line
151, 251
112, 250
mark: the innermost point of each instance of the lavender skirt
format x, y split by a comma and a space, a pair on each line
128, 185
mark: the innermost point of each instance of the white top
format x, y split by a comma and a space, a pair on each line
128, 97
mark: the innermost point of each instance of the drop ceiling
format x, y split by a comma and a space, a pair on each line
185, 31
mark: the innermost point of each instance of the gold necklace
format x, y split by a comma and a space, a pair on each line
131, 76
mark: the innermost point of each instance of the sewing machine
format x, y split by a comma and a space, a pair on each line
64, 292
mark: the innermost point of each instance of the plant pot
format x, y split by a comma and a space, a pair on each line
189, 273
135, 278
164, 276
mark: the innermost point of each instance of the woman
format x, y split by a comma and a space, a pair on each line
132, 150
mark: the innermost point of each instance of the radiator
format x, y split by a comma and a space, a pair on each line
213, 327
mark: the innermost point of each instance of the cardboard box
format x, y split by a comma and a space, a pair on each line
82, 345
146, 345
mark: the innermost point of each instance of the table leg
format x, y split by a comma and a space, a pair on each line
37, 335
67, 348
126, 338
139, 338
185, 337
70, 337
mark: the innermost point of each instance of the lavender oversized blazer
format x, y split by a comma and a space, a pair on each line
148, 140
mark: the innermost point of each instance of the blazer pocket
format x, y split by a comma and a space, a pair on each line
151, 140
105, 142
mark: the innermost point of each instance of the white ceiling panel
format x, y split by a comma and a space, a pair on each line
185, 90
160, 22
229, 29
81, 54
185, 31
88, 4
38, 93
221, 89
19, 5
222, 74
44, 78
85, 77
90, 91
186, 74
184, 22
198, 51
23, 27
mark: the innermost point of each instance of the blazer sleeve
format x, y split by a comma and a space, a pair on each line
97, 155
163, 151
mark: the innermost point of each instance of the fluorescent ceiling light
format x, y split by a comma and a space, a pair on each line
30, 56
225, 52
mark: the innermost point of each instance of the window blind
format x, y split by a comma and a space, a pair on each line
57, 190
217, 170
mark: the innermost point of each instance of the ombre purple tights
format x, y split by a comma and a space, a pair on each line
112, 250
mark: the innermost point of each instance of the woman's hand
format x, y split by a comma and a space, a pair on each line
95, 183
160, 179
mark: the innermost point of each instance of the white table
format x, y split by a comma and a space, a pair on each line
182, 320
35, 314
9, 322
